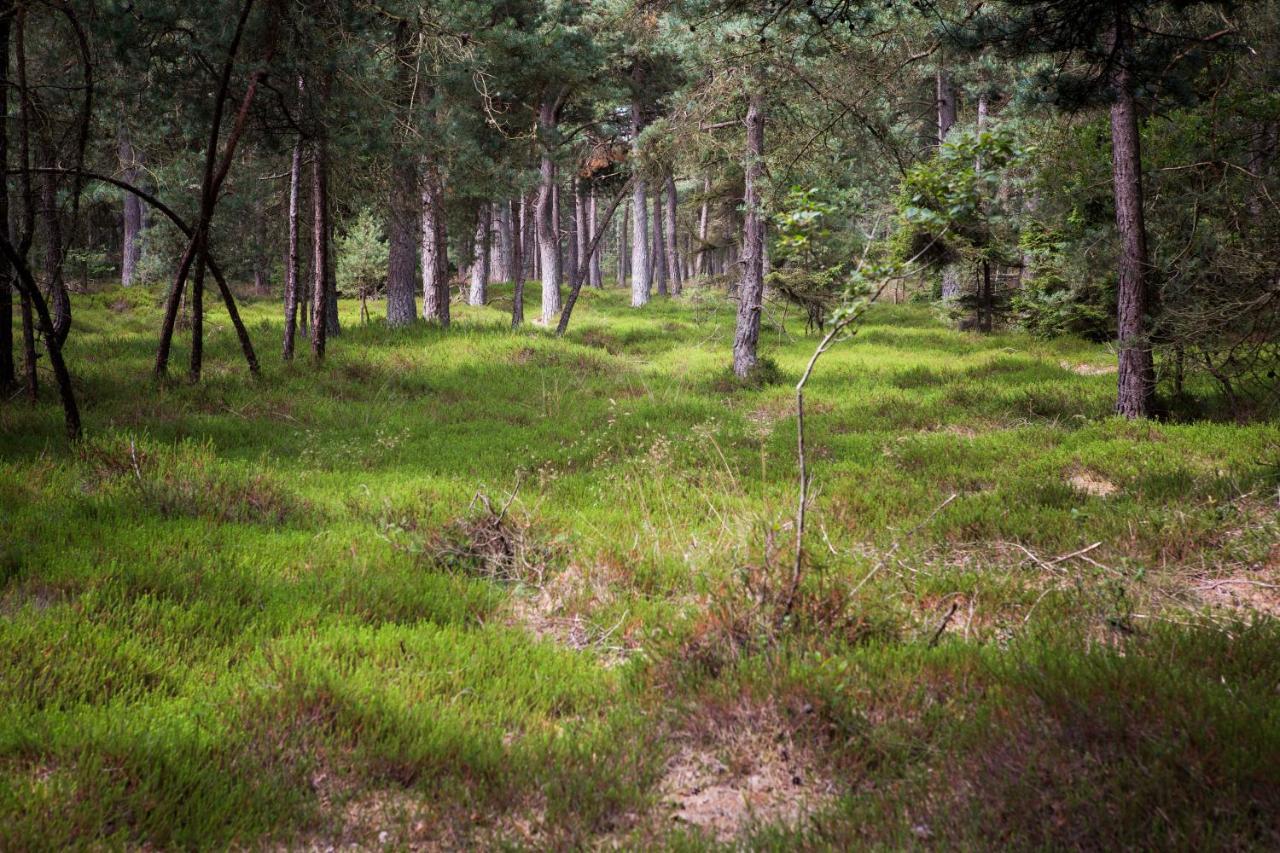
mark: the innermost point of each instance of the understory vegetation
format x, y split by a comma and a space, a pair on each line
483, 586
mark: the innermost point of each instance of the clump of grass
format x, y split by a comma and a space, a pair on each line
188, 481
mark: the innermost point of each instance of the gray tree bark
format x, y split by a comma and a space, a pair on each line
132, 220
504, 245
595, 276
640, 267
319, 249
402, 248
292, 259
548, 238
520, 221
480, 263
746, 337
704, 218
435, 259
946, 105
672, 243
659, 258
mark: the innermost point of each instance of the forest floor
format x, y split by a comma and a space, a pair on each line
479, 587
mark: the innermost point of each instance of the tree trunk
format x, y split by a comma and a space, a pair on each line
435, 260
480, 263
528, 236
1136, 380
402, 241
946, 103
946, 106
640, 266
505, 244
8, 374
596, 274
624, 224
581, 222
751, 288
54, 284
672, 240
520, 222
659, 257
292, 259
572, 246
131, 239
319, 250
704, 218
548, 238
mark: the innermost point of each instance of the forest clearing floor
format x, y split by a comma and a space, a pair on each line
478, 587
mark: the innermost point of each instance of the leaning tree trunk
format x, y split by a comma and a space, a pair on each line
131, 238
671, 242
402, 243
292, 260
1136, 380
751, 287
480, 263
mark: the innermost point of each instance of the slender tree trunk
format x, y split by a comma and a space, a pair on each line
506, 249
402, 242
54, 283
131, 238
197, 248
30, 378
478, 294
548, 236
578, 274
529, 235
581, 222
435, 261
292, 259
946, 106
751, 289
624, 226
333, 325
520, 219
672, 243
319, 249
572, 247
1136, 380
641, 285
8, 374
659, 257
596, 274
704, 218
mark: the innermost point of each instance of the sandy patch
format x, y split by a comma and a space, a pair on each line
1245, 595
742, 770
1083, 369
1092, 484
